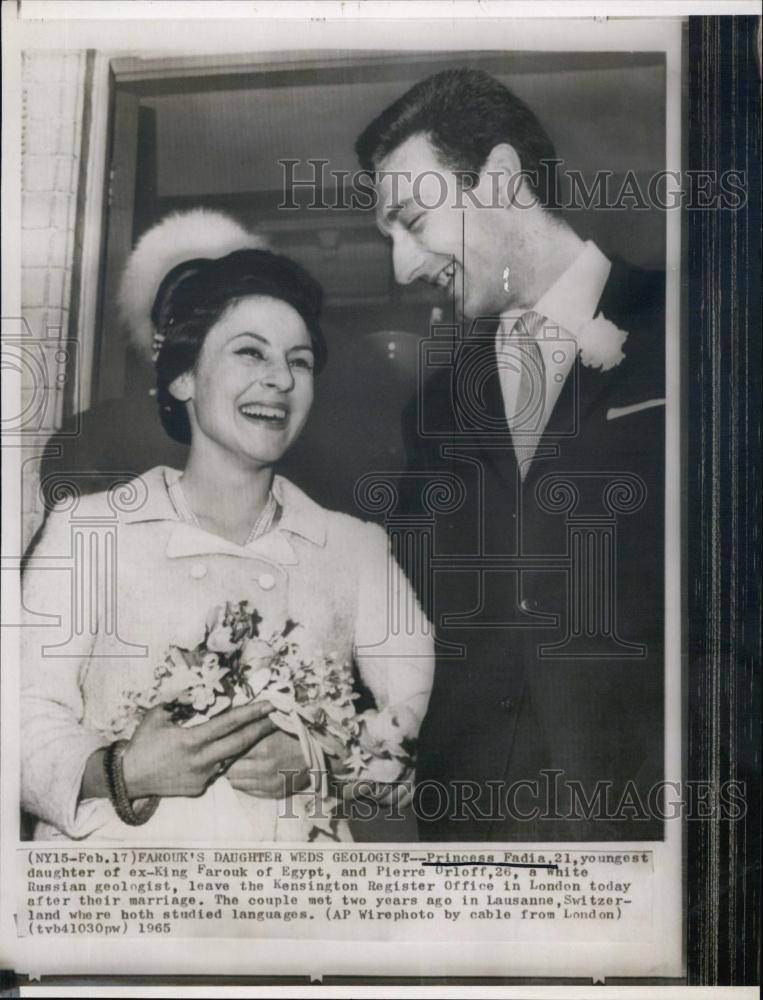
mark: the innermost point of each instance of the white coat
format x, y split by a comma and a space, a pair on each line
117, 577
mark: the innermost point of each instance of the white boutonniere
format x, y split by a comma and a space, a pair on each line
600, 343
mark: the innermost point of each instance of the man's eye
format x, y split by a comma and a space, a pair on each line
416, 223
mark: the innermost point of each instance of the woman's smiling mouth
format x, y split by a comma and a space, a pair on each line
270, 413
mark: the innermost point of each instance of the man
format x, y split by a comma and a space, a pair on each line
546, 421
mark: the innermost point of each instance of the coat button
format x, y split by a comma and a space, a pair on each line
507, 704
198, 570
266, 580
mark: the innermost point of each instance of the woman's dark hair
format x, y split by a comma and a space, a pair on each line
464, 113
193, 297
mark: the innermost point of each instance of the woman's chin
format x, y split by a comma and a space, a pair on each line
267, 450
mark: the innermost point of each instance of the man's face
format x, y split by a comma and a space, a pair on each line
438, 233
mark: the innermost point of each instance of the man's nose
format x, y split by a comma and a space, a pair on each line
407, 258
279, 375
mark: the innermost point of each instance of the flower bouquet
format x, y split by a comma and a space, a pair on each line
312, 697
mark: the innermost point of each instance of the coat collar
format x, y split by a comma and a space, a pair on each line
299, 516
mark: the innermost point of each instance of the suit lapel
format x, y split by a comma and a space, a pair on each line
585, 391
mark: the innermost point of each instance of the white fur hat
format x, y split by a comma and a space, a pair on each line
180, 236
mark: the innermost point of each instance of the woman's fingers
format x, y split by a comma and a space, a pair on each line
238, 742
155, 718
227, 722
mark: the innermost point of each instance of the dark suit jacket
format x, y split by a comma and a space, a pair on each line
553, 589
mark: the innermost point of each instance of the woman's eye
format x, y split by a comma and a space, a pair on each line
302, 363
251, 352
415, 224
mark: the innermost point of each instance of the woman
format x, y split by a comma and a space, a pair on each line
238, 344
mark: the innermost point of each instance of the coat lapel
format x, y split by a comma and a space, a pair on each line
586, 392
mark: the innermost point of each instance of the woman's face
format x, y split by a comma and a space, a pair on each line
252, 388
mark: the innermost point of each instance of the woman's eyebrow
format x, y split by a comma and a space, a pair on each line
255, 336
302, 347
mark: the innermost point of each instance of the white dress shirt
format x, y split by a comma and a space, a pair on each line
567, 305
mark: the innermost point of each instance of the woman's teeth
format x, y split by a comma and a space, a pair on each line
263, 411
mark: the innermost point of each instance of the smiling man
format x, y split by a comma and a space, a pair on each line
456, 227
546, 586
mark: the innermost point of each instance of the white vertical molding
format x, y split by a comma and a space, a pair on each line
92, 230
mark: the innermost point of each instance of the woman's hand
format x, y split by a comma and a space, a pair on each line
166, 759
385, 790
272, 769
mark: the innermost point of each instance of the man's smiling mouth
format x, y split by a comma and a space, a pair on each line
444, 278
273, 413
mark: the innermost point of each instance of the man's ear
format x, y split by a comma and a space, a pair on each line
182, 387
503, 168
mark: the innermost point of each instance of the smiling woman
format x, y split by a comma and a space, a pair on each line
250, 392
237, 342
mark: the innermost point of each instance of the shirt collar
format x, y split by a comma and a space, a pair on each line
299, 514
574, 297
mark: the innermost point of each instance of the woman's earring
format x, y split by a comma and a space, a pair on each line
181, 388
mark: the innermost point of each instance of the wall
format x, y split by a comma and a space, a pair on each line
53, 93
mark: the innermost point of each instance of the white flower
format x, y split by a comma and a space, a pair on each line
281, 700
211, 672
257, 654
312, 712
259, 679
202, 697
600, 343
175, 684
355, 761
220, 641
220, 705
381, 770
338, 712
380, 731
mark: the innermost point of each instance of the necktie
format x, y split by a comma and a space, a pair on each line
523, 383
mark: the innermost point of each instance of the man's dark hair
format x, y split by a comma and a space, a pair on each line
464, 113
194, 296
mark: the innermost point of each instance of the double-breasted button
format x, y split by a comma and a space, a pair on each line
266, 580
507, 704
198, 570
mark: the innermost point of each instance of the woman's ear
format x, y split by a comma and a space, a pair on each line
182, 387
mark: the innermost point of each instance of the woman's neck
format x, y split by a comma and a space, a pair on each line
225, 497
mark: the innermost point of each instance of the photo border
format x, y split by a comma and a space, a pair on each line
720, 332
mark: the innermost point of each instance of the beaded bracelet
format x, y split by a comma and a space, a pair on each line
115, 782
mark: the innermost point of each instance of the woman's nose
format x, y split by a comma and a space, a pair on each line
280, 376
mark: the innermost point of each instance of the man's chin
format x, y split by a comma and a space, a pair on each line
469, 312
473, 313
